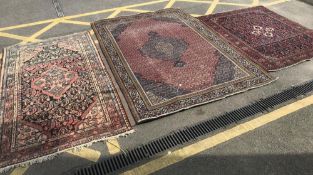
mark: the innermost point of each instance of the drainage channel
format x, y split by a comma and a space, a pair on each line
190, 133
58, 8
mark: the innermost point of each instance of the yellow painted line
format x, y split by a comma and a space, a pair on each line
26, 25
76, 22
234, 4
170, 4
40, 32
219, 138
255, 2
86, 153
210, 10
19, 170
195, 1
80, 15
12, 36
195, 15
116, 8
212, 7
275, 2
136, 10
115, 13
113, 146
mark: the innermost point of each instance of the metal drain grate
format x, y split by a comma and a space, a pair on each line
58, 8
192, 132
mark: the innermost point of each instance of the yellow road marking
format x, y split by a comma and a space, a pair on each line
195, 1
115, 13
113, 146
94, 156
81, 15
234, 4
12, 36
19, 170
255, 2
212, 7
86, 153
26, 25
76, 22
219, 138
275, 2
136, 10
40, 32
170, 4
116, 8
195, 15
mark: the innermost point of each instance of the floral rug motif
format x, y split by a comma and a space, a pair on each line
55, 95
268, 39
167, 61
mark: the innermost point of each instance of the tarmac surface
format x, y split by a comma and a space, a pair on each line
284, 146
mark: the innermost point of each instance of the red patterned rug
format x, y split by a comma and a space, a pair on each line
270, 40
55, 95
167, 61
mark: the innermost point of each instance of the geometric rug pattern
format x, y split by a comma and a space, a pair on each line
167, 61
55, 95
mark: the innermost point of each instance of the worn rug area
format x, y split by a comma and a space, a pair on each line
270, 40
167, 61
55, 95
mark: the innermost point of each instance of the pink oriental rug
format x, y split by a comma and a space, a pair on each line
55, 94
168, 61
268, 39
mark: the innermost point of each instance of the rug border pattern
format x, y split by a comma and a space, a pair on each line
260, 76
47, 154
251, 52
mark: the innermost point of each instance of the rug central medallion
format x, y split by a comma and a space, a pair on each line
55, 81
168, 61
55, 94
270, 40
171, 59
166, 48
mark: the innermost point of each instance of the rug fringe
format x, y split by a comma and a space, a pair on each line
53, 155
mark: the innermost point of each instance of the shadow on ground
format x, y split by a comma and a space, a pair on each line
291, 164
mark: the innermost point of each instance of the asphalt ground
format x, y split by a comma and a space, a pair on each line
284, 146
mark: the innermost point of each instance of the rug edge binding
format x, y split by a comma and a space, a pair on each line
54, 155
207, 102
2, 59
292, 65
